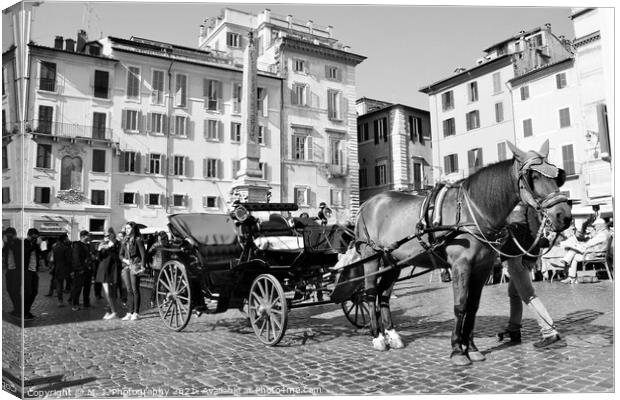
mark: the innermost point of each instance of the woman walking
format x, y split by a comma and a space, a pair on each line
133, 257
107, 272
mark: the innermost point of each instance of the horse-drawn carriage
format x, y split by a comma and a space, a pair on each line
218, 262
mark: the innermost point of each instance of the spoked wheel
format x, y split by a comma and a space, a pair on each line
267, 309
174, 295
356, 310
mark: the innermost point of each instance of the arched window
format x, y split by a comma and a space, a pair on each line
71, 173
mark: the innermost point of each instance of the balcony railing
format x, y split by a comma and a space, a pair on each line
65, 130
336, 170
47, 84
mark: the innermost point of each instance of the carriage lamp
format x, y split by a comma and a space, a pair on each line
240, 213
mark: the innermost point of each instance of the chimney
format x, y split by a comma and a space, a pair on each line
309, 24
82, 38
58, 42
267, 13
202, 31
458, 70
70, 44
289, 19
329, 31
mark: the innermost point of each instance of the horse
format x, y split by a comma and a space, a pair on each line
478, 206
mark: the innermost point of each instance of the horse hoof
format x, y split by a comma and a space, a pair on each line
393, 339
476, 356
378, 343
460, 360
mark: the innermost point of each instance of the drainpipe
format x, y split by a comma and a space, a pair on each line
512, 107
168, 138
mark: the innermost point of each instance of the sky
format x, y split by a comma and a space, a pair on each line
407, 47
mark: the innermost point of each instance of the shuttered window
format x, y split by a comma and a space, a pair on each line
472, 91
527, 128
447, 100
99, 160
568, 159
449, 128
497, 83
133, 82
525, 92
560, 80
451, 163
101, 84
473, 120
44, 156
564, 118
41, 195
501, 151
474, 160
499, 112
157, 95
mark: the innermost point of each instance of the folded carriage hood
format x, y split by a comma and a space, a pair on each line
205, 229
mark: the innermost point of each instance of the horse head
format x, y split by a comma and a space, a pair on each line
539, 183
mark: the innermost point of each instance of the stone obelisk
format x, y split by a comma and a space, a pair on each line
249, 185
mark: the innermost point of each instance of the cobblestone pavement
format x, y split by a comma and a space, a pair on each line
76, 354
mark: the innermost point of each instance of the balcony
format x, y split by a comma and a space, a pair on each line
337, 171
47, 84
61, 130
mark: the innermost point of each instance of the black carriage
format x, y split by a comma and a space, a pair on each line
218, 262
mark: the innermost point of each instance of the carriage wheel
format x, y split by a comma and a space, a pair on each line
356, 310
174, 295
268, 309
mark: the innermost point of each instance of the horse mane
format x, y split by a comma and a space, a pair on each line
491, 185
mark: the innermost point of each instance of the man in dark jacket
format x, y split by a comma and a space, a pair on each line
82, 271
11, 262
61, 256
32, 258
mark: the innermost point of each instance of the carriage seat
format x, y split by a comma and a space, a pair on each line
219, 255
275, 226
280, 243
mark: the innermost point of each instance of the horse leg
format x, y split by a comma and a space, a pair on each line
461, 271
370, 297
476, 283
385, 288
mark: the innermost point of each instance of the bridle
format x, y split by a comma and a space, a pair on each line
526, 193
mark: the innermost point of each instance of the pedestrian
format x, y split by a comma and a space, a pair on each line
61, 263
120, 289
133, 257
157, 260
323, 213
32, 258
523, 222
11, 262
82, 271
106, 271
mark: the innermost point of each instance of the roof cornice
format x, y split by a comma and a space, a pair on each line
581, 12
225, 67
323, 51
543, 71
468, 75
75, 53
592, 37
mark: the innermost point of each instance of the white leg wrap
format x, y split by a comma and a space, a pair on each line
542, 317
379, 343
393, 339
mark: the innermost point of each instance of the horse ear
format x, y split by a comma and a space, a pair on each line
544, 149
519, 154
